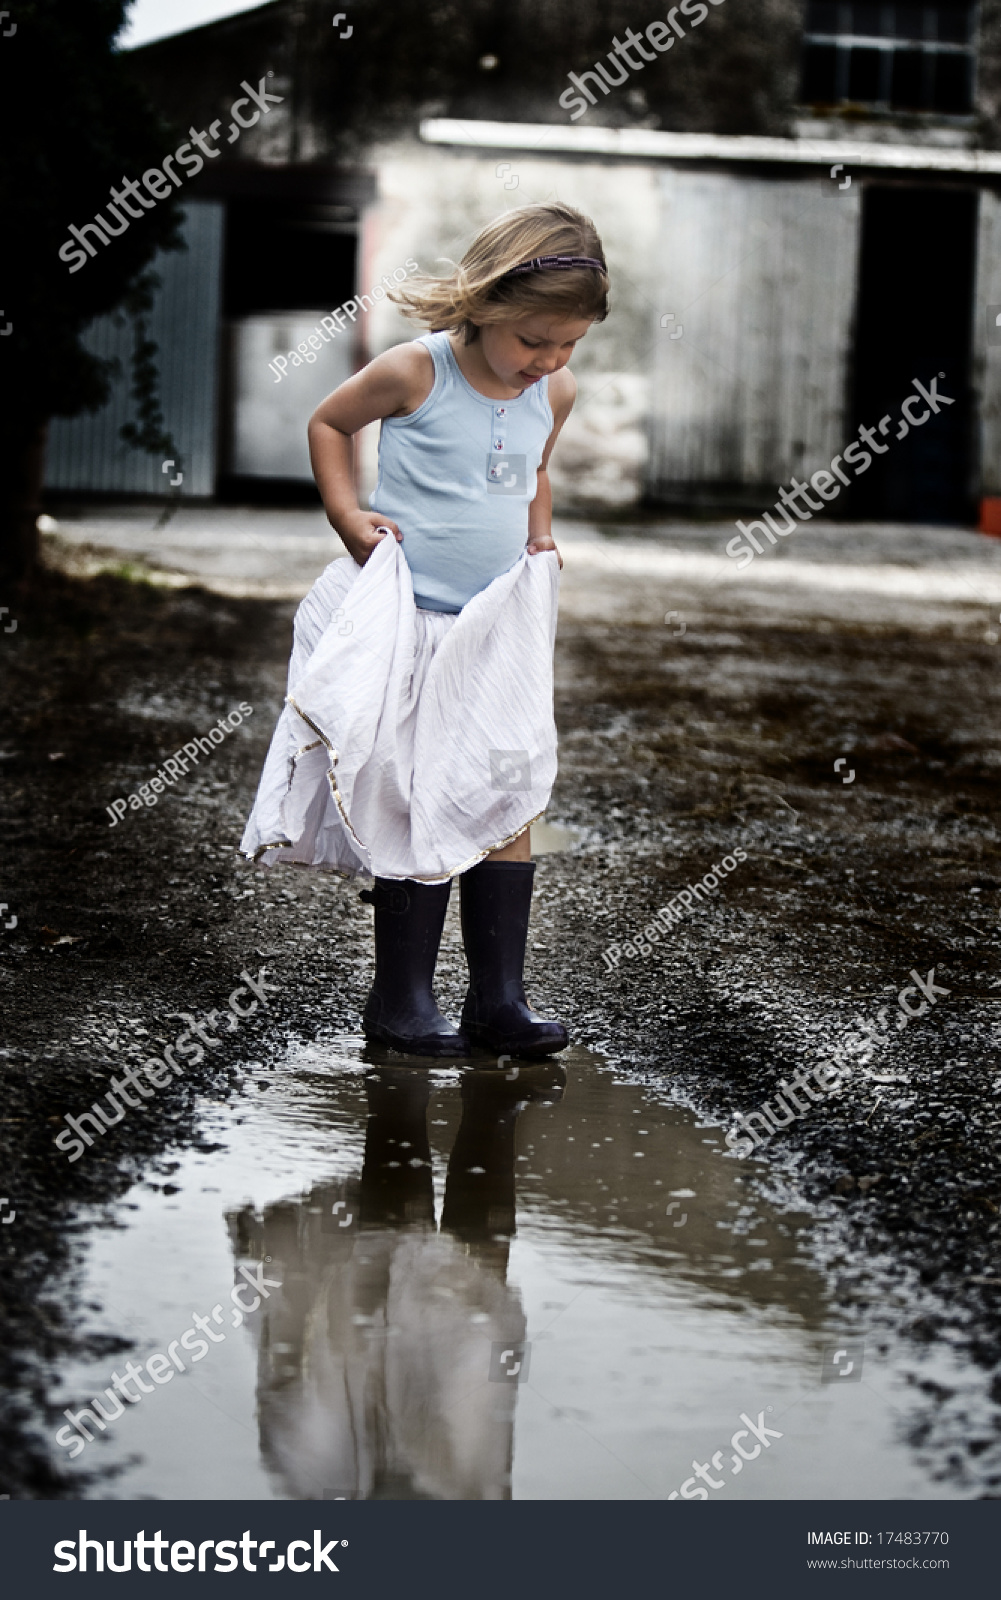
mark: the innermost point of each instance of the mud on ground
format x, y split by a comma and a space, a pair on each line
675, 748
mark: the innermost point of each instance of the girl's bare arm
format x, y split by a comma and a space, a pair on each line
562, 393
392, 385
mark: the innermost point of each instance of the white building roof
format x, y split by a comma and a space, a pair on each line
633, 144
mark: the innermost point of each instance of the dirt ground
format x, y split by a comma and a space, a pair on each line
698, 712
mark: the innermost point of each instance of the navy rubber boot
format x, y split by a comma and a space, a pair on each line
401, 1010
496, 898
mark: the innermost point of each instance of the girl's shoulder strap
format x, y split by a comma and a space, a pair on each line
438, 345
440, 351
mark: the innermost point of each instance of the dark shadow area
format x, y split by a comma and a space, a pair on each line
915, 312
287, 257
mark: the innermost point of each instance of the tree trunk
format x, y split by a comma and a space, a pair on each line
22, 469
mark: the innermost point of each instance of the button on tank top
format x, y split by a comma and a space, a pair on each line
458, 476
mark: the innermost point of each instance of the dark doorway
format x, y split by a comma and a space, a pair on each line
288, 257
914, 320
287, 264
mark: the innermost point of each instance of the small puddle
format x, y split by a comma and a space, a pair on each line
529, 1281
548, 837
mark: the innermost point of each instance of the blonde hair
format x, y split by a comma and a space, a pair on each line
478, 287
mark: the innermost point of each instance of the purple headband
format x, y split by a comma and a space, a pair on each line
559, 263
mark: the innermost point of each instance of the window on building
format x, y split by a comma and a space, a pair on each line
890, 57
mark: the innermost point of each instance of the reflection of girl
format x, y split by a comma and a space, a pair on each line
418, 741
375, 1378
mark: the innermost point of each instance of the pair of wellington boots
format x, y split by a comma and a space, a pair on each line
401, 1011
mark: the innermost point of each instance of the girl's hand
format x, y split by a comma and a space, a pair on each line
361, 531
543, 541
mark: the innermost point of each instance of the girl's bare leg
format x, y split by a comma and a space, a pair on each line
519, 849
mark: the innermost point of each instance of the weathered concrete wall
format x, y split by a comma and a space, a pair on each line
759, 272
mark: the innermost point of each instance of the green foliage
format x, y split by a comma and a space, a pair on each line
150, 433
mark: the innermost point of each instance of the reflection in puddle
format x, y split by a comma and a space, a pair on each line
372, 1359
539, 1282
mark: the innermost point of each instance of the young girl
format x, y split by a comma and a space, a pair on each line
417, 743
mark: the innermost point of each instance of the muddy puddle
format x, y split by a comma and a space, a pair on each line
529, 1281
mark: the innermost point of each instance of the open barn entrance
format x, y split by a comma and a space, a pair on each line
287, 264
915, 314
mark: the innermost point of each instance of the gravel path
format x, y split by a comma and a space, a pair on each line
680, 741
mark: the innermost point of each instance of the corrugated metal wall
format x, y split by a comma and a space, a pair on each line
987, 355
760, 274
86, 452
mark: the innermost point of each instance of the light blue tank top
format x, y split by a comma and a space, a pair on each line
458, 476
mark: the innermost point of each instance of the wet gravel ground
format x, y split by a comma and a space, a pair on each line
676, 747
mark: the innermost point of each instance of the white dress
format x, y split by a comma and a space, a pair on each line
412, 742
